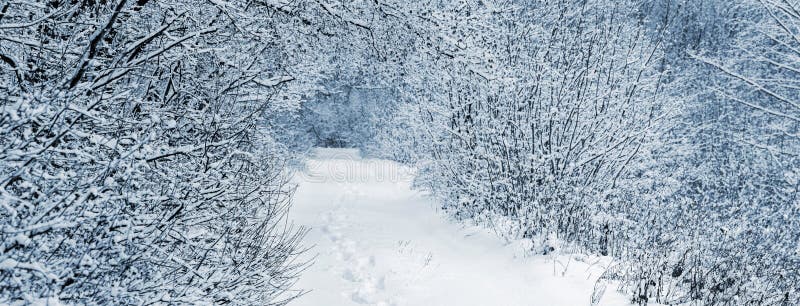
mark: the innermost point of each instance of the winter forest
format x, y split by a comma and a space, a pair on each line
181, 152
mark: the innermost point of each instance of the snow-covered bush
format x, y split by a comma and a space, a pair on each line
545, 122
134, 169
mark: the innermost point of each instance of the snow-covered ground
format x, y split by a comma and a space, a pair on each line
377, 242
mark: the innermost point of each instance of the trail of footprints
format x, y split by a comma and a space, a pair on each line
359, 269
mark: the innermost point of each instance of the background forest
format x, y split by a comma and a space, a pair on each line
144, 144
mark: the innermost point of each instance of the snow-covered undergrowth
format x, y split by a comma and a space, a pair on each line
378, 242
134, 169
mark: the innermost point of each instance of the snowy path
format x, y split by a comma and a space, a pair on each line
378, 242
